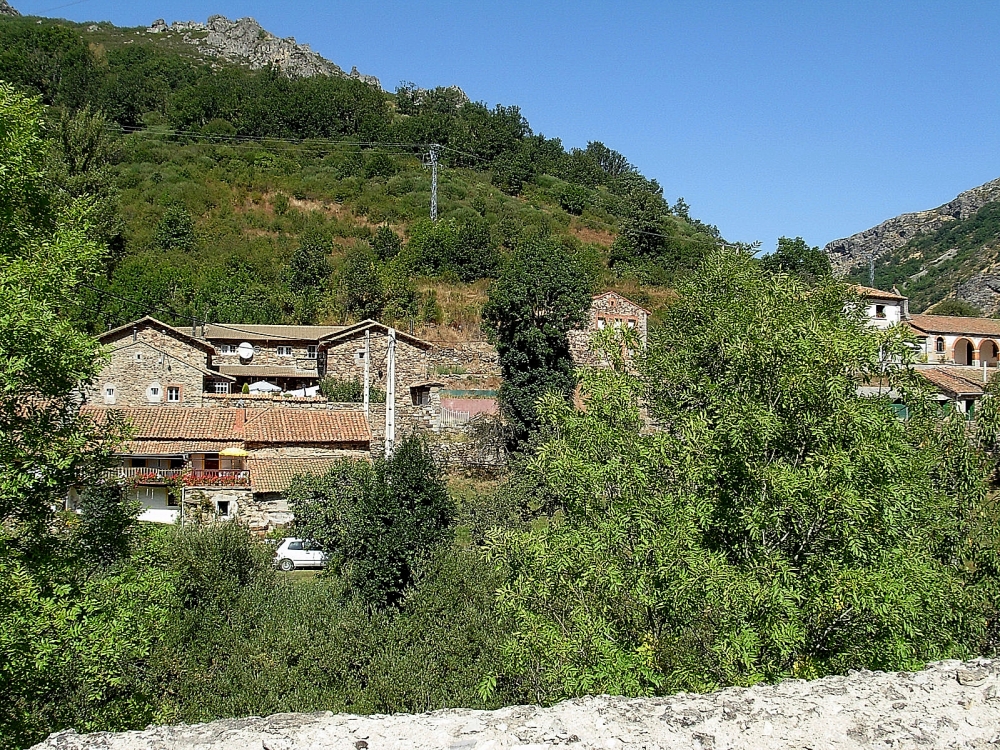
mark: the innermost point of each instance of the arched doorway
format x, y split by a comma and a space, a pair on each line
988, 352
963, 352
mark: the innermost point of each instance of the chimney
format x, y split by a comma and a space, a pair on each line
241, 419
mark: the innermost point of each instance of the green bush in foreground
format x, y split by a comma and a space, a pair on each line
779, 525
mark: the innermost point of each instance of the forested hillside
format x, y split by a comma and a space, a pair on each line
239, 195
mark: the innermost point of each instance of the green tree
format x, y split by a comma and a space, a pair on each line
955, 306
776, 524
361, 285
176, 230
45, 253
309, 267
386, 243
75, 630
796, 257
542, 292
379, 520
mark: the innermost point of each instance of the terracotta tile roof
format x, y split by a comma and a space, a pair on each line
867, 291
955, 325
267, 371
248, 332
176, 447
173, 422
275, 474
275, 425
954, 381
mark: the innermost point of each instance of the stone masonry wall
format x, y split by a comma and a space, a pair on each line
947, 705
133, 368
131, 376
612, 309
267, 355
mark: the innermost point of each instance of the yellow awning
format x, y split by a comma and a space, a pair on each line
233, 452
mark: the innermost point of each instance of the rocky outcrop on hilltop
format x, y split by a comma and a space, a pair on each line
246, 42
7, 10
851, 252
948, 705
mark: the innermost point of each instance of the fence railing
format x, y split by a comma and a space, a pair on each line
143, 474
453, 417
217, 478
189, 477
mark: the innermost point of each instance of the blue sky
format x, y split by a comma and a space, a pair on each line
806, 118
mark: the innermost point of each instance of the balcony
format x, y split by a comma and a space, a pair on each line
188, 477
143, 475
216, 478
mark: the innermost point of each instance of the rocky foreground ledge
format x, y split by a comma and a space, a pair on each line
948, 705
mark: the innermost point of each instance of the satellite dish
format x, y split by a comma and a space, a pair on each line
245, 350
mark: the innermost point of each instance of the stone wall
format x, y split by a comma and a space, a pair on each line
135, 367
267, 355
948, 705
606, 310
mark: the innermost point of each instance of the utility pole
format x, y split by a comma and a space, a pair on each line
434, 181
390, 395
368, 350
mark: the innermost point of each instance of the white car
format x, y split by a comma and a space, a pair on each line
299, 553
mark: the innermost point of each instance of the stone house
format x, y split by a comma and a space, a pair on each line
227, 463
287, 356
609, 309
153, 364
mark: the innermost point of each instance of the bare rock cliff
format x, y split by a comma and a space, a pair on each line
949, 705
853, 251
245, 41
7, 10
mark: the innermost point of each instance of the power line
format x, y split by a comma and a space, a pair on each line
198, 321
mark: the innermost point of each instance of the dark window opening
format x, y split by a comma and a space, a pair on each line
879, 311
420, 395
223, 507
939, 346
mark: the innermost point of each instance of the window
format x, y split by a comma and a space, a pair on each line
600, 324
173, 394
880, 311
284, 351
311, 351
138, 356
420, 395
939, 345
359, 356
109, 394
154, 393
222, 507
295, 545
221, 386
227, 349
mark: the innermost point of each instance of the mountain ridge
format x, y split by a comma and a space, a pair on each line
245, 41
848, 253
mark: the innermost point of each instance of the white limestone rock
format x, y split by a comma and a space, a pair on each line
947, 705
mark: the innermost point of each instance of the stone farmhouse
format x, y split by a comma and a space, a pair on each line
609, 309
215, 463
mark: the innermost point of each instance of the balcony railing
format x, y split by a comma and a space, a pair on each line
216, 478
188, 476
144, 475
